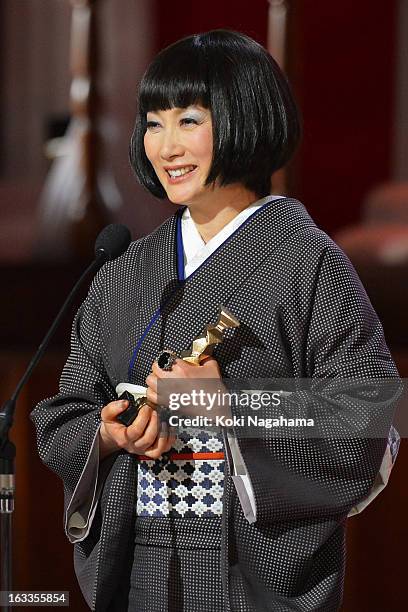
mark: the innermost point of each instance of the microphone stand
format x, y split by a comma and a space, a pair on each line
8, 449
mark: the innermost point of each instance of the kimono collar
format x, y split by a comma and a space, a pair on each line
192, 251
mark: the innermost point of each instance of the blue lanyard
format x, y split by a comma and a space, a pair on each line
179, 246
181, 279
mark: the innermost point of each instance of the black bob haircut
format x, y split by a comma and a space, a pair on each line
256, 124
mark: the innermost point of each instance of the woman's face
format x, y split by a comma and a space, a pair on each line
179, 144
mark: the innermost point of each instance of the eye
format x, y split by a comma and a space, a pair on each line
188, 121
151, 125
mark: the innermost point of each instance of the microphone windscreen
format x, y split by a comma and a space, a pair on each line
112, 242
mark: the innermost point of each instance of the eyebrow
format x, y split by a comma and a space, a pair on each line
200, 109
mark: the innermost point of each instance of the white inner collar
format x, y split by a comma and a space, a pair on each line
196, 250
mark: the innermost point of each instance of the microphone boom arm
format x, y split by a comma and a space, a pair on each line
111, 243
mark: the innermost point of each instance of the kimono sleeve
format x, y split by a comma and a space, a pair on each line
67, 424
350, 395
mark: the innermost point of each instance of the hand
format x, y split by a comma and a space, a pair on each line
145, 436
205, 380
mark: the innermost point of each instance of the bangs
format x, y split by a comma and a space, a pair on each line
178, 77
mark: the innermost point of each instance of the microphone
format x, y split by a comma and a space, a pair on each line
112, 242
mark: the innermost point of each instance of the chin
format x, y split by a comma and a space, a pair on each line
177, 201
178, 198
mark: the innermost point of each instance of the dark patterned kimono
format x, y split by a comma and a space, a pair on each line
304, 315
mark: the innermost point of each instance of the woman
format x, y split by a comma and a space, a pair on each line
261, 527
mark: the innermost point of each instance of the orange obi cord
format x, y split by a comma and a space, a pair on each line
188, 456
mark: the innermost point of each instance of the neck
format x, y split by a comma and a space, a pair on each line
223, 206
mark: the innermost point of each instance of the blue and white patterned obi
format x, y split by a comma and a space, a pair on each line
183, 488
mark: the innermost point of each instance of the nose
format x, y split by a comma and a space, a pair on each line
171, 145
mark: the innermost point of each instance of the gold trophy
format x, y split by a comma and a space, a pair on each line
204, 344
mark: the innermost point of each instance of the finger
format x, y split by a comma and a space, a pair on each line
157, 371
136, 429
161, 445
112, 410
210, 362
158, 447
167, 432
206, 359
172, 432
151, 433
152, 397
151, 381
169, 443
210, 368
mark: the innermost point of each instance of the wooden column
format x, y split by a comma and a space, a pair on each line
277, 26
73, 209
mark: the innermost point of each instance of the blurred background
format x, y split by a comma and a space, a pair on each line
69, 72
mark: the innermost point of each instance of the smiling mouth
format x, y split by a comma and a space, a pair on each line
176, 173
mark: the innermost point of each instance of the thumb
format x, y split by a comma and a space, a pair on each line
111, 410
207, 359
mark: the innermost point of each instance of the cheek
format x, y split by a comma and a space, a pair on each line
208, 151
203, 145
149, 147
